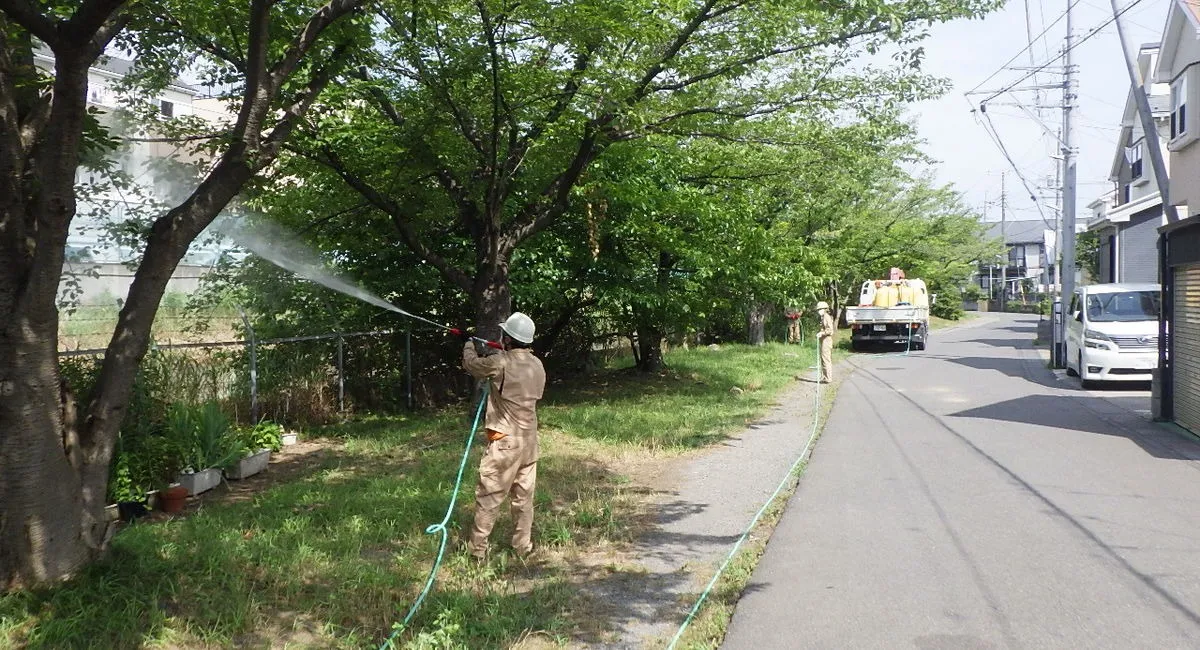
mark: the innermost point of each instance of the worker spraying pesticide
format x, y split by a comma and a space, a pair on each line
509, 465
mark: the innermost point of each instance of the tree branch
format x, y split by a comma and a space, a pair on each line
408, 234
425, 78
33, 20
90, 18
323, 18
559, 190
292, 114
672, 50
452, 186
494, 153
256, 97
212, 47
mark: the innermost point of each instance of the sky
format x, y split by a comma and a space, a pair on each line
967, 52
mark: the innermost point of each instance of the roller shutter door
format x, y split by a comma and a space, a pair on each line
1185, 344
1138, 248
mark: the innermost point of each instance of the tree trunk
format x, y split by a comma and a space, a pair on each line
46, 532
492, 296
649, 342
756, 320
41, 504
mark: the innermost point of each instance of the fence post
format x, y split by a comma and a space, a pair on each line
408, 364
341, 373
252, 348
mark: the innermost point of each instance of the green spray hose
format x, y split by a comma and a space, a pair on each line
441, 527
753, 522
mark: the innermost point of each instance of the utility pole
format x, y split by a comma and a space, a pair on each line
1069, 186
1004, 238
1149, 129
1057, 261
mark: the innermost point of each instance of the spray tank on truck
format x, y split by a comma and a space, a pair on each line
895, 310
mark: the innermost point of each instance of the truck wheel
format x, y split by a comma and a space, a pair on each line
857, 345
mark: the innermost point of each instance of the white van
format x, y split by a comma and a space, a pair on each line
1112, 334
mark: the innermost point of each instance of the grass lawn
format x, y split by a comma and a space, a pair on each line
937, 323
333, 551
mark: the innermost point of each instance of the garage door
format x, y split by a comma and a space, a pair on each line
1185, 353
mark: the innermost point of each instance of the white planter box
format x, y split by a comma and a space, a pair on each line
250, 465
201, 481
288, 439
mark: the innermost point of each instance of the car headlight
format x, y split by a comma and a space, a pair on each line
1098, 340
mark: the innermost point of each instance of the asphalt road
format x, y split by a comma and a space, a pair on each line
964, 497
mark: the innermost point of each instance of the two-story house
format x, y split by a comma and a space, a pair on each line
160, 173
1127, 220
1177, 388
1027, 243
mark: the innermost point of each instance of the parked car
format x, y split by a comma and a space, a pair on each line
1112, 334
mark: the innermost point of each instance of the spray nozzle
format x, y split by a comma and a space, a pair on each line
467, 336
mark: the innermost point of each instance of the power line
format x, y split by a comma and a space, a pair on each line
1090, 34
991, 131
1035, 39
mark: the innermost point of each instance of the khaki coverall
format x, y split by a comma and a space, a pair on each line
793, 319
509, 466
828, 329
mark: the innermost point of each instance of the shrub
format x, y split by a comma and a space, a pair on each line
948, 305
973, 293
264, 435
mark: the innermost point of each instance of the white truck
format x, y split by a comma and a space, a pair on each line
890, 311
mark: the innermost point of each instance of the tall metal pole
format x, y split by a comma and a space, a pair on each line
1004, 238
252, 349
1069, 185
1056, 294
408, 367
1149, 129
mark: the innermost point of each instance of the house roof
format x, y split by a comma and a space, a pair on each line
117, 66
1025, 231
1183, 14
1160, 103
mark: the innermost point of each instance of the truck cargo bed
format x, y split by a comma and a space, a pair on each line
899, 314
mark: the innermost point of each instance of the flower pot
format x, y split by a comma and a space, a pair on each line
173, 498
131, 510
250, 465
112, 512
202, 481
288, 439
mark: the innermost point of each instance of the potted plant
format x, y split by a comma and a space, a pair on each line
172, 498
259, 440
212, 446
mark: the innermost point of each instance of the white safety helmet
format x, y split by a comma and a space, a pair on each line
822, 305
519, 326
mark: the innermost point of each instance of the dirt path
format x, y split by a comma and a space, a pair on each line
701, 507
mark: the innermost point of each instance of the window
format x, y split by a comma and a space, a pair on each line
1179, 106
1134, 155
1016, 255
167, 108
1126, 192
1124, 306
